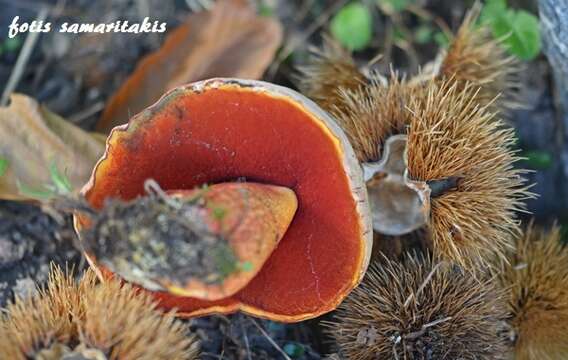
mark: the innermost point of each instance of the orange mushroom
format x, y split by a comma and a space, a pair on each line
225, 130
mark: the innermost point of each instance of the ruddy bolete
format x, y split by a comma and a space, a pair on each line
230, 134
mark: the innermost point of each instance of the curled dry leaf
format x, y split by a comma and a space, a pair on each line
230, 40
33, 138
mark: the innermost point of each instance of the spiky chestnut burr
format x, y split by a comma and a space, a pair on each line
330, 71
454, 146
451, 137
89, 320
476, 57
536, 276
420, 309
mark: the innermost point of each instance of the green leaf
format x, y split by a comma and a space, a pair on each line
61, 182
352, 26
3, 165
12, 44
491, 10
391, 6
423, 34
441, 39
520, 31
538, 160
294, 350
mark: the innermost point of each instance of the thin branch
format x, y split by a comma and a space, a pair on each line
270, 339
23, 58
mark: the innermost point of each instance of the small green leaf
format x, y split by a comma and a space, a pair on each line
12, 44
61, 182
391, 6
3, 165
538, 160
520, 31
441, 39
423, 34
294, 350
491, 10
352, 26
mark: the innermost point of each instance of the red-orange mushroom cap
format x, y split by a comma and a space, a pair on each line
222, 130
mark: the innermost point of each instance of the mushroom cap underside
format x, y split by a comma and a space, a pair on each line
222, 130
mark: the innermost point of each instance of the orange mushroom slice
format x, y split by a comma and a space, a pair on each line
224, 131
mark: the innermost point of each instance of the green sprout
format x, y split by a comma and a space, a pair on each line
60, 185
61, 182
4, 163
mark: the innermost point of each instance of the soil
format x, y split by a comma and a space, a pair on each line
75, 75
30, 241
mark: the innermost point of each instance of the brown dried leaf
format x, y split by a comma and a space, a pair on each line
230, 40
33, 138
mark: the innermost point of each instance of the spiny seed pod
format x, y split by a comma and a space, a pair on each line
372, 113
85, 320
451, 138
330, 71
420, 309
475, 57
536, 277
40, 325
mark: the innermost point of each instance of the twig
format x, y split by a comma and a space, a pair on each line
425, 14
153, 188
246, 338
23, 58
291, 46
83, 114
426, 281
270, 339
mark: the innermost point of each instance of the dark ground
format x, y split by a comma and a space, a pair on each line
75, 75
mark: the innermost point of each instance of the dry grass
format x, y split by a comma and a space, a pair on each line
420, 310
85, 317
537, 281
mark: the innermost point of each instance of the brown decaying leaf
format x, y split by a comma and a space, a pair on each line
230, 40
33, 138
